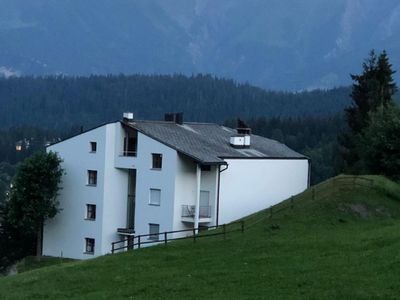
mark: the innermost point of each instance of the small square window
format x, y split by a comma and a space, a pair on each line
89, 246
92, 177
93, 147
154, 231
90, 212
155, 197
157, 161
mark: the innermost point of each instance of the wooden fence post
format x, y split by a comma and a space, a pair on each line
112, 248
139, 241
291, 202
165, 238
270, 211
194, 235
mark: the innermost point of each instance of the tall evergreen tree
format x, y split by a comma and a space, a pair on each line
372, 90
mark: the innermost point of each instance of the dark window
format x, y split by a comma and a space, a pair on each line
89, 247
154, 230
90, 211
93, 146
206, 168
92, 177
157, 161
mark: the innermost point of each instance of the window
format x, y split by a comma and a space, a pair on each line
157, 161
93, 147
154, 230
92, 177
89, 246
90, 212
155, 197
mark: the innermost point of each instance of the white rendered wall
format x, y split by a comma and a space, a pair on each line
185, 190
115, 193
65, 234
250, 185
147, 178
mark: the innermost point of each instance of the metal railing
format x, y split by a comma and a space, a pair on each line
189, 211
133, 242
127, 153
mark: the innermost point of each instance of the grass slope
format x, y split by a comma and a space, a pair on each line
342, 242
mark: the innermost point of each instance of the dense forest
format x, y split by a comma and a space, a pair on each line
64, 102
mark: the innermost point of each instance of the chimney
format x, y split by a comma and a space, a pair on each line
169, 117
128, 117
179, 118
242, 138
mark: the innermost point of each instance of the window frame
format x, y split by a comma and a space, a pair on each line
154, 236
90, 242
150, 198
87, 217
156, 159
89, 178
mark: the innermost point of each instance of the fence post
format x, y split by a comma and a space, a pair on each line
291, 202
112, 248
270, 211
194, 235
242, 226
224, 230
165, 238
139, 241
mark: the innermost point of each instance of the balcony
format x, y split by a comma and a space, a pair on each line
189, 211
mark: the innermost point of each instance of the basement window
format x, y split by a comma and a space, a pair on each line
154, 231
93, 147
156, 161
92, 177
89, 245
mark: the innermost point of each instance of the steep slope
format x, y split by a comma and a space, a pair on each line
337, 240
273, 44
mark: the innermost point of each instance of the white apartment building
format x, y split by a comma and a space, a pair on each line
134, 177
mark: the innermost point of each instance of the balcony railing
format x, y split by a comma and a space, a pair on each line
189, 211
128, 153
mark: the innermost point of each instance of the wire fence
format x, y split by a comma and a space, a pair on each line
315, 193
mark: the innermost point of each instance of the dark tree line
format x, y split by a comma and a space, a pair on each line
63, 102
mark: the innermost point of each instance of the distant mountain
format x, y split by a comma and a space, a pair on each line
274, 44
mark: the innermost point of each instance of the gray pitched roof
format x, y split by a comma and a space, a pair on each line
209, 143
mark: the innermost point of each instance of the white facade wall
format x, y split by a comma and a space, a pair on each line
114, 213
65, 234
250, 185
148, 178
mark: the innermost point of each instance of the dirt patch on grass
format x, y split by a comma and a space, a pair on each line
360, 209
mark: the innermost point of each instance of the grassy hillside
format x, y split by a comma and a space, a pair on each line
338, 240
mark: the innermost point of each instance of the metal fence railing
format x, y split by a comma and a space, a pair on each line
189, 211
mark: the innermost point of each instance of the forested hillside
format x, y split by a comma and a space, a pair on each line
65, 102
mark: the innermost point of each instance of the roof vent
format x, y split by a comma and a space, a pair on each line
242, 138
128, 116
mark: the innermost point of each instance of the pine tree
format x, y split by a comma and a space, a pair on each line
372, 90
